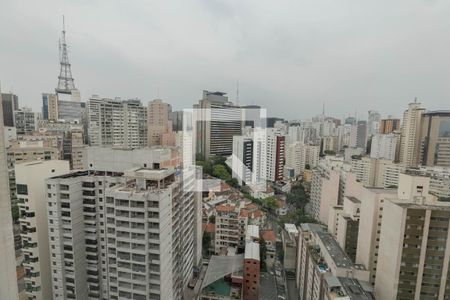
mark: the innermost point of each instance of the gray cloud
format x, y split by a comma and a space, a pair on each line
289, 56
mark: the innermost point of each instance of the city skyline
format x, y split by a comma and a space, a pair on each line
304, 49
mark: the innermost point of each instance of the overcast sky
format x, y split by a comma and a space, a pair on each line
289, 56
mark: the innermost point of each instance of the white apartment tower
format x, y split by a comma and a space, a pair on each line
409, 141
116, 122
324, 191
383, 146
123, 234
299, 156
8, 282
32, 195
373, 123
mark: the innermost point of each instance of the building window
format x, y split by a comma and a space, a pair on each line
22, 189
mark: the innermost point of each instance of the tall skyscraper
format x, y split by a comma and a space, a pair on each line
158, 121
324, 191
434, 139
137, 234
373, 123
10, 104
116, 122
8, 281
49, 106
389, 125
177, 120
358, 135
218, 121
31, 195
242, 159
275, 155
409, 141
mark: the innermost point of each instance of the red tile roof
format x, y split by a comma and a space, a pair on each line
225, 207
268, 235
243, 213
210, 228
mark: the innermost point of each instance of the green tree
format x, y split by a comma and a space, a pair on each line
221, 172
270, 203
212, 219
232, 182
206, 242
262, 254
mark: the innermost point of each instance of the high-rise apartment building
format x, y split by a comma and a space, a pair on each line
8, 281
383, 146
324, 270
389, 125
218, 120
409, 141
296, 157
177, 120
242, 159
300, 156
26, 121
158, 121
324, 191
414, 245
373, 123
358, 135
124, 233
330, 144
275, 155
49, 107
32, 195
295, 134
116, 122
434, 139
27, 151
373, 172
10, 103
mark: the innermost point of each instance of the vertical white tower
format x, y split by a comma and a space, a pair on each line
8, 280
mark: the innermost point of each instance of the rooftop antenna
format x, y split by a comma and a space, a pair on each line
323, 108
65, 79
415, 99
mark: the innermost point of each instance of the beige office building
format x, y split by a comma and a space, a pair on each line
435, 139
158, 121
409, 141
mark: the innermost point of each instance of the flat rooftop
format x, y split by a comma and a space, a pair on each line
348, 288
340, 258
151, 174
252, 232
311, 227
251, 250
439, 205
